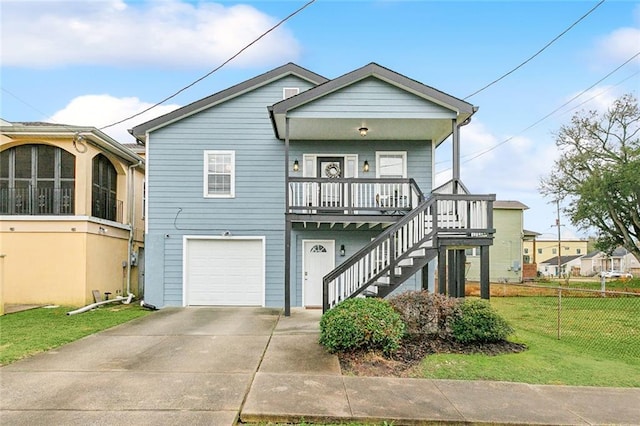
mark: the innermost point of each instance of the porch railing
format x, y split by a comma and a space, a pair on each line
440, 216
352, 195
37, 201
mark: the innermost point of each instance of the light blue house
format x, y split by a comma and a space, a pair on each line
290, 189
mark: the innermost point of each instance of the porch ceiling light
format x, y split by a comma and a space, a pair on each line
296, 166
363, 131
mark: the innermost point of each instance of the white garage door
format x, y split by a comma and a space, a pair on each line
224, 272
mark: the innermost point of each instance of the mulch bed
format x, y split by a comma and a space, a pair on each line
401, 362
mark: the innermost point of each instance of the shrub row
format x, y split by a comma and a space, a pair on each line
371, 323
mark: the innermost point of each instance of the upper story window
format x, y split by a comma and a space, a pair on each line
37, 180
288, 92
391, 164
104, 203
219, 174
526, 251
554, 251
539, 251
578, 251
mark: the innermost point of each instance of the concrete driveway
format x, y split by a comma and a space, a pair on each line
175, 366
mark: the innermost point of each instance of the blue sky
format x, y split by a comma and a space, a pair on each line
97, 62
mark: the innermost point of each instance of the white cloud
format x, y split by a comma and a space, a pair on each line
102, 110
619, 45
170, 33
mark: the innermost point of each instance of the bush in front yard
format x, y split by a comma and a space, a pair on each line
426, 314
361, 323
479, 322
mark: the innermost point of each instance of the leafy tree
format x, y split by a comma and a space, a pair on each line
597, 177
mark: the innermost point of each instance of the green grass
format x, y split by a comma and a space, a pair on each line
26, 333
595, 284
599, 344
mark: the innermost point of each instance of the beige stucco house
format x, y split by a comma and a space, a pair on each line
546, 246
505, 253
71, 215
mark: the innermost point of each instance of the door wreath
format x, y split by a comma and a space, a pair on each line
332, 170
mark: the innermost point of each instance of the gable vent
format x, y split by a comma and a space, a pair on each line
288, 92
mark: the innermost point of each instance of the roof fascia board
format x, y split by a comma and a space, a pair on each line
92, 134
384, 74
225, 95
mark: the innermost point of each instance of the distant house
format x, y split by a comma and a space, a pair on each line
619, 260
290, 189
71, 216
545, 246
568, 265
505, 253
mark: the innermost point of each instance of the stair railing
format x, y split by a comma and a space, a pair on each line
454, 215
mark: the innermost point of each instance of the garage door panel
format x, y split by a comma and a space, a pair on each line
225, 272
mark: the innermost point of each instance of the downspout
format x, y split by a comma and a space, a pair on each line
130, 201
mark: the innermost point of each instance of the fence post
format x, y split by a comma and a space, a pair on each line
559, 309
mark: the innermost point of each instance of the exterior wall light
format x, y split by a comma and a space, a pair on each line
342, 250
365, 166
363, 131
296, 165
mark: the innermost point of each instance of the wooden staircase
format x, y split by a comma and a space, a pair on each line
408, 245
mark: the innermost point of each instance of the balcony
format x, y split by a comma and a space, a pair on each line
348, 197
36, 201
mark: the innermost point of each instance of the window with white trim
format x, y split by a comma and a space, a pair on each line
391, 164
219, 174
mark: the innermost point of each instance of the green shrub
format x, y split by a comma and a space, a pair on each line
426, 314
361, 323
479, 322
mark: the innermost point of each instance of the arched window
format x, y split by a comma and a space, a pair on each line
103, 194
37, 180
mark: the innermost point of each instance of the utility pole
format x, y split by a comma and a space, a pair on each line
559, 245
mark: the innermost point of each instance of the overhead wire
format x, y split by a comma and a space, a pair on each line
554, 111
537, 53
238, 53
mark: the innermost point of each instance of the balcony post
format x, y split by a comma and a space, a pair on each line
455, 132
484, 272
287, 232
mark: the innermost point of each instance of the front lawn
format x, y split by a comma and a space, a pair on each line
599, 345
29, 332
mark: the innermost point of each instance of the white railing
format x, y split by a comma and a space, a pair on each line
460, 216
353, 196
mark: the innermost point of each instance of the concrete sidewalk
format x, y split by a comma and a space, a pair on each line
298, 381
213, 366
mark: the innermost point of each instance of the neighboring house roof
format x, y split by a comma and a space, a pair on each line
509, 205
528, 233
140, 131
80, 133
592, 254
563, 259
462, 109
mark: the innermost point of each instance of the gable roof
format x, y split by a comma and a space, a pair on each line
509, 205
563, 259
462, 110
385, 74
140, 131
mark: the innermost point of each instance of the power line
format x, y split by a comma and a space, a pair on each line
554, 111
216, 68
538, 52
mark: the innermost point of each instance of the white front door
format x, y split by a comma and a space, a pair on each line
319, 260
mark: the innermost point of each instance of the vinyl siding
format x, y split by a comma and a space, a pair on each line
353, 241
373, 98
177, 207
419, 156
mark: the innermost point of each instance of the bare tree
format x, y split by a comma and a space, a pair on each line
597, 177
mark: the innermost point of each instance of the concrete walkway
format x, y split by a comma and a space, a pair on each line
217, 365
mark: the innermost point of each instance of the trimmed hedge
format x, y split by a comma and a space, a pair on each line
479, 322
368, 323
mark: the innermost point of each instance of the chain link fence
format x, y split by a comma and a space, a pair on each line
605, 322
